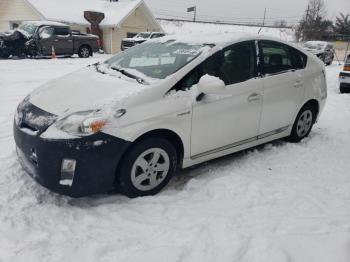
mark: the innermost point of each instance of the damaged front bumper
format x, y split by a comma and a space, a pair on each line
73, 167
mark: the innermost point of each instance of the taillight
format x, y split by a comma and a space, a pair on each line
98, 42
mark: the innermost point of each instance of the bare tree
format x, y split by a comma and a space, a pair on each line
313, 25
342, 24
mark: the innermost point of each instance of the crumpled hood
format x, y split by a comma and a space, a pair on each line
86, 89
7, 33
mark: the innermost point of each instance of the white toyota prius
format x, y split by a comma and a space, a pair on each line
173, 102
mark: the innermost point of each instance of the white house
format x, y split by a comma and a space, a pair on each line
123, 18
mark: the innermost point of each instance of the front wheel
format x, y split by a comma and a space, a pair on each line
84, 52
303, 123
147, 168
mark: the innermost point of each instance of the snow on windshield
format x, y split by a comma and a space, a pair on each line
27, 29
143, 35
156, 59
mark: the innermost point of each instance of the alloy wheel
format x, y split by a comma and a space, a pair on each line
150, 169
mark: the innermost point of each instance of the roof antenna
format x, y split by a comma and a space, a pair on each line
263, 24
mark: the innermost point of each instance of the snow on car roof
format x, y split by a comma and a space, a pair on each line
322, 43
73, 11
218, 39
40, 23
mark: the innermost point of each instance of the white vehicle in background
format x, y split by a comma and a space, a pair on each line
344, 77
172, 102
323, 50
139, 39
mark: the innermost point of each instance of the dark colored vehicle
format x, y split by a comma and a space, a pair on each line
139, 39
323, 50
38, 38
344, 77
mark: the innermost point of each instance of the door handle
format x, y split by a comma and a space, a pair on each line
298, 83
253, 97
55, 40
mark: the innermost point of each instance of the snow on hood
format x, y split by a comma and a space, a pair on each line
86, 89
135, 39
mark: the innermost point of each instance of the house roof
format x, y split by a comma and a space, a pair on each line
72, 11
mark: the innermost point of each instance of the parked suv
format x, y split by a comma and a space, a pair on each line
37, 38
139, 38
173, 102
344, 77
323, 50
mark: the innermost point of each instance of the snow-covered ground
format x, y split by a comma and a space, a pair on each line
279, 202
178, 27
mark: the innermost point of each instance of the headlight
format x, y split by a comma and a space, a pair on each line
85, 123
82, 123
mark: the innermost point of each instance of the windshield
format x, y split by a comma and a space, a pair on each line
29, 29
155, 59
143, 35
315, 46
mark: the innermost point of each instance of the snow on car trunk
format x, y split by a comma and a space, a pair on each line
278, 202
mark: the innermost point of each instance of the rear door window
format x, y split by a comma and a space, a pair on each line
279, 58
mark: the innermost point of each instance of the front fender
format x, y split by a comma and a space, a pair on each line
171, 113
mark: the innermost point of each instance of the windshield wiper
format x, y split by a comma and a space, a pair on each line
128, 74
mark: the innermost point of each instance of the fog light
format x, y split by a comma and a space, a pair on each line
67, 172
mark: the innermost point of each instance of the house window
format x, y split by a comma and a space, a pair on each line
130, 35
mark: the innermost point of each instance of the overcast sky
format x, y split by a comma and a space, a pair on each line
290, 10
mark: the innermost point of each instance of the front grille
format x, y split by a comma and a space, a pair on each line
33, 119
128, 43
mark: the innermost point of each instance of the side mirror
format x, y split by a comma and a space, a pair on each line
211, 85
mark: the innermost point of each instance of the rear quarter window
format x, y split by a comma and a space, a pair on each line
300, 59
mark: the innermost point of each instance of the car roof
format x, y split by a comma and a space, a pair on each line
48, 23
217, 39
318, 42
148, 32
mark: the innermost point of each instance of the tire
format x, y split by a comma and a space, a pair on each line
84, 51
303, 123
134, 180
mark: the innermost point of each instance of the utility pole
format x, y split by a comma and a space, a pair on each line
264, 17
263, 23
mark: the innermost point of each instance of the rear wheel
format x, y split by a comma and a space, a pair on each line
303, 123
84, 51
147, 167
